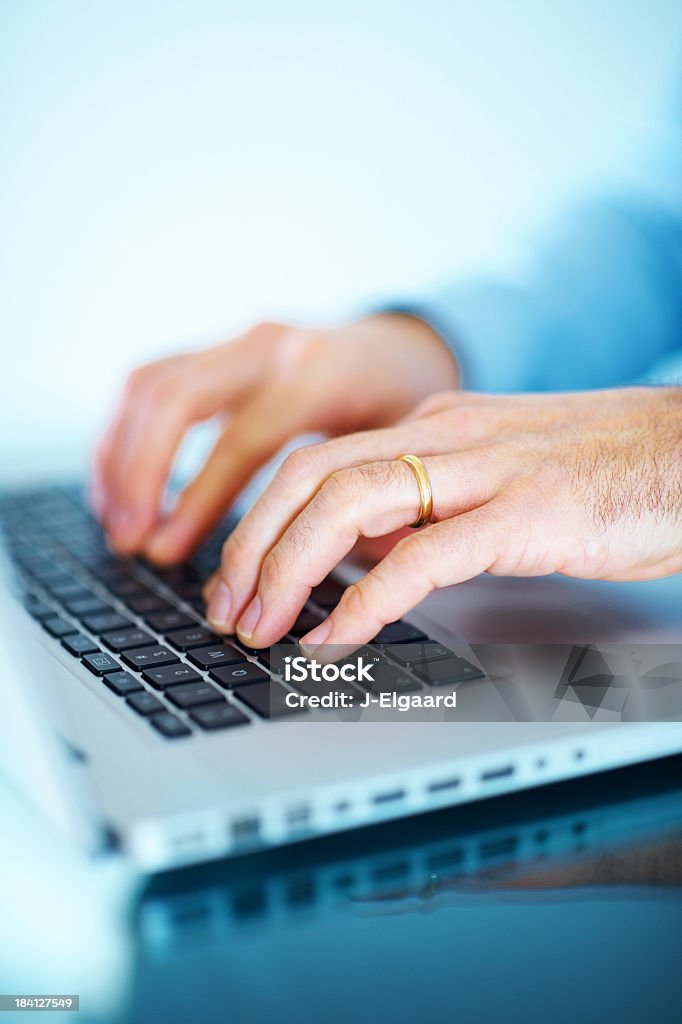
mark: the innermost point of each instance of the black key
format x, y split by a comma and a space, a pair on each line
121, 683
188, 591
53, 578
454, 670
267, 699
37, 608
389, 679
169, 726
398, 633
149, 657
163, 622
71, 591
111, 623
306, 621
416, 654
186, 639
239, 675
218, 716
142, 604
191, 694
144, 703
78, 644
327, 594
128, 639
224, 654
56, 626
87, 606
272, 658
101, 663
176, 574
171, 675
125, 587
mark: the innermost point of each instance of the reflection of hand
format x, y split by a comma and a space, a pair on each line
588, 485
275, 382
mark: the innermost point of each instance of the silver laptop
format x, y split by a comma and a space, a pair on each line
136, 730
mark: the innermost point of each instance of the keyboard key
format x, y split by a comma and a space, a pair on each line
87, 606
169, 726
148, 657
189, 591
267, 699
191, 694
111, 623
57, 627
239, 675
327, 594
142, 604
186, 639
36, 608
416, 654
101, 663
125, 586
389, 679
306, 621
218, 716
128, 639
454, 670
163, 622
78, 644
272, 657
53, 578
171, 675
72, 590
208, 657
144, 703
121, 683
398, 633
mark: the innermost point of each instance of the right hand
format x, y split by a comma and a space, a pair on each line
272, 384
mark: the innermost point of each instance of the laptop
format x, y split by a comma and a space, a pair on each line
138, 731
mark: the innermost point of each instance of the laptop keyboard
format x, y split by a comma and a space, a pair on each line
141, 631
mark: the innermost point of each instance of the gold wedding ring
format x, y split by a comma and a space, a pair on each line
425, 492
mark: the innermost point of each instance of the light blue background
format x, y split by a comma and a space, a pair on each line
170, 172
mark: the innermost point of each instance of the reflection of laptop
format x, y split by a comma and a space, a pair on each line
123, 715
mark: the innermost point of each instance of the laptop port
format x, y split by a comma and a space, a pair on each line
497, 773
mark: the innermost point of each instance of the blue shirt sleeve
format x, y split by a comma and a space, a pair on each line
602, 307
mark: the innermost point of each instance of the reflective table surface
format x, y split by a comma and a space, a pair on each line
559, 904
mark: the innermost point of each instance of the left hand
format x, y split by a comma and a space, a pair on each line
584, 484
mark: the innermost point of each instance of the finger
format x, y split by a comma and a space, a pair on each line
210, 585
294, 485
158, 405
370, 500
445, 553
256, 433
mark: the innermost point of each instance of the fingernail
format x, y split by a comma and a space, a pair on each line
219, 605
249, 620
316, 637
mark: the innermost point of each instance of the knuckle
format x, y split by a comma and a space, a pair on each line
234, 549
355, 601
299, 466
339, 486
436, 402
271, 569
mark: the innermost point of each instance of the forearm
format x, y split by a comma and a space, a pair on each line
603, 305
